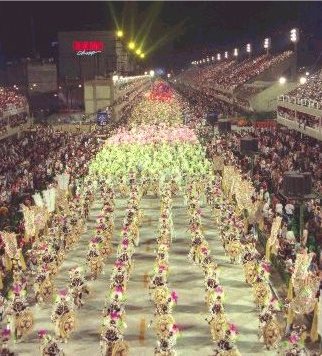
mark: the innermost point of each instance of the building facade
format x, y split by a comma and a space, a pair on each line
87, 55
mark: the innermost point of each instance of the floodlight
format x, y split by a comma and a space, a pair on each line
131, 45
248, 48
267, 43
282, 80
236, 52
302, 80
218, 57
226, 54
294, 35
119, 33
151, 73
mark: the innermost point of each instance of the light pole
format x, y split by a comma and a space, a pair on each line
249, 49
267, 44
294, 37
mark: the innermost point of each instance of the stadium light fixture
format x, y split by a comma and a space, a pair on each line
294, 35
282, 80
226, 55
218, 57
151, 73
119, 33
236, 52
248, 48
168, 75
267, 43
212, 58
138, 51
142, 55
303, 80
131, 45
208, 60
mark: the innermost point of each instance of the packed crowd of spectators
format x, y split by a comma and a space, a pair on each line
230, 74
203, 100
123, 95
10, 99
18, 119
280, 150
129, 85
303, 120
31, 162
308, 94
3, 126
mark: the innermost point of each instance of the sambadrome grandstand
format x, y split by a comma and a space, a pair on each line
177, 214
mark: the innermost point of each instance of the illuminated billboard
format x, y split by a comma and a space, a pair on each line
87, 48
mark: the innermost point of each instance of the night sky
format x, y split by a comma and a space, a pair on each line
191, 25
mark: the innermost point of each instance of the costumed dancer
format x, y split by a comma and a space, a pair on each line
63, 316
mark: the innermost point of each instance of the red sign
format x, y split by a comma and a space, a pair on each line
88, 46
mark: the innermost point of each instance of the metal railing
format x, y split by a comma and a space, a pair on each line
309, 103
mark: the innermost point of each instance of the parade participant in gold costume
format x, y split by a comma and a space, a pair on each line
19, 315
48, 345
63, 316
77, 286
